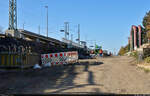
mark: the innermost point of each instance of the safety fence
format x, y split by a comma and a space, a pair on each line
59, 58
13, 59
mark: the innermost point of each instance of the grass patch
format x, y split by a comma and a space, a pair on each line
147, 59
146, 70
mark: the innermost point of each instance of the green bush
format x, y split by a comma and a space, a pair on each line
147, 59
124, 50
134, 54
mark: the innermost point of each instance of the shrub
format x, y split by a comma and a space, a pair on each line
124, 50
134, 54
147, 59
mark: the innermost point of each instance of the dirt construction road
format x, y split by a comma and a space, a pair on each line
103, 75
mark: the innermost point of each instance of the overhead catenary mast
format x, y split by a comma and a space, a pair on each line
79, 34
66, 30
12, 15
71, 37
39, 29
47, 21
12, 27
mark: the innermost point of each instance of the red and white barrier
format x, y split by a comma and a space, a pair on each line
59, 58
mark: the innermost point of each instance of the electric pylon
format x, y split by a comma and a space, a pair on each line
12, 15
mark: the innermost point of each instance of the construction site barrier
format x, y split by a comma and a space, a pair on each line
59, 58
9, 60
18, 59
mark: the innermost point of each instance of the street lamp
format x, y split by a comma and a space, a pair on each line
47, 19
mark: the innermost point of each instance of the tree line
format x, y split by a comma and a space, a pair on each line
145, 35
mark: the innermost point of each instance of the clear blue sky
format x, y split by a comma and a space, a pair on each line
106, 21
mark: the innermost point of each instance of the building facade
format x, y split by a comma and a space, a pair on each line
135, 39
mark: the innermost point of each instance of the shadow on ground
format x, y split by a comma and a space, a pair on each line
56, 79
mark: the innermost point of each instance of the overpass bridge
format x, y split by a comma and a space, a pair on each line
40, 38
64, 45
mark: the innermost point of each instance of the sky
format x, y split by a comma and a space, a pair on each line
104, 22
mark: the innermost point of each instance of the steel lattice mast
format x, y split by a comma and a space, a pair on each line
12, 15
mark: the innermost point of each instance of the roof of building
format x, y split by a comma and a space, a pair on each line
2, 35
25, 32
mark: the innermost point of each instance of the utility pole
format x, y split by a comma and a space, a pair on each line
47, 19
114, 52
72, 37
95, 43
39, 29
85, 37
79, 34
66, 30
23, 26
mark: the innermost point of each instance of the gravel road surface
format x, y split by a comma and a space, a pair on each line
117, 75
